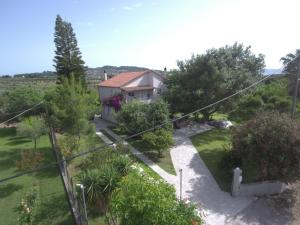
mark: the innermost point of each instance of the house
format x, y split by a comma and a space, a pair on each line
144, 86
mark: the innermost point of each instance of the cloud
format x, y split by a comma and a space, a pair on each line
132, 7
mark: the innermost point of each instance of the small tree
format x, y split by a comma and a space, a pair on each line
268, 145
33, 127
69, 107
159, 140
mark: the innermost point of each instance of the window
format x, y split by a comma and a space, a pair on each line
131, 94
158, 90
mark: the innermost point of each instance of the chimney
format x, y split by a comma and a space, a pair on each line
105, 75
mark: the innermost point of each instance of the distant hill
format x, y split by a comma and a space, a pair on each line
273, 71
98, 72
92, 73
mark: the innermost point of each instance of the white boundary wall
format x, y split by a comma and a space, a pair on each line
254, 189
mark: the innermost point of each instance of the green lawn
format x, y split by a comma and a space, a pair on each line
165, 162
53, 207
211, 147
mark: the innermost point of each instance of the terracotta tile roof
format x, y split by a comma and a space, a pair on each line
137, 88
121, 79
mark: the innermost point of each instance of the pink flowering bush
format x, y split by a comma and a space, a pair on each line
114, 101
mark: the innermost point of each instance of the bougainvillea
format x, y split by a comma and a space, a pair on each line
114, 101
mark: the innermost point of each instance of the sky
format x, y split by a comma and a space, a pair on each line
151, 33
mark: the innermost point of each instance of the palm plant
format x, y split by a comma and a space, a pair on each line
290, 68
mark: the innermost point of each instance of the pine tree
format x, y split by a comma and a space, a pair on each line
67, 58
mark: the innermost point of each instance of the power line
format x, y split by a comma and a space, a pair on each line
134, 135
201, 109
23, 112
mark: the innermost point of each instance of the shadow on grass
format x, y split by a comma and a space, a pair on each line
9, 158
7, 132
211, 135
18, 141
52, 208
8, 189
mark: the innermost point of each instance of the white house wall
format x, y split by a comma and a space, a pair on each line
106, 92
148, 79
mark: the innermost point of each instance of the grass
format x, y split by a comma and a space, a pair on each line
165, 161
211, 147
53, 207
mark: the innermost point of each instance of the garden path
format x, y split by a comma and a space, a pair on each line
199, 186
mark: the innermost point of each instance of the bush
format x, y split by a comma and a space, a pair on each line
143, 200
159, 140
269, 145
29, 160
69, 145
136, 116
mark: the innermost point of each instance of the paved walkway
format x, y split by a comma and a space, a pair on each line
199, 185
101, 124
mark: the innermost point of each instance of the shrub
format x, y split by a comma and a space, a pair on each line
159, 140
269, 145
142, 200
27, 207
29, 160
69, 145
137, 116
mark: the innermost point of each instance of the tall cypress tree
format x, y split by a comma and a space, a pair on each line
68, 61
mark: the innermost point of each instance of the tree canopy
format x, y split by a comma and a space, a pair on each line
207, 78
68, 60
272, 95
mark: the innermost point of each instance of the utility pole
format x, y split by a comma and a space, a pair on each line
296, 89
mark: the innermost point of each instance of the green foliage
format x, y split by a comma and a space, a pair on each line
290, 68
32, 127
160, 140
27, 208
137, 116
207, 78
268, 145
68, 61
16, 100
143, 200
270, 96
102, 177
69, 145
70, 107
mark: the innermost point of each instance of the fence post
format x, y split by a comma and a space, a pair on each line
236, 181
